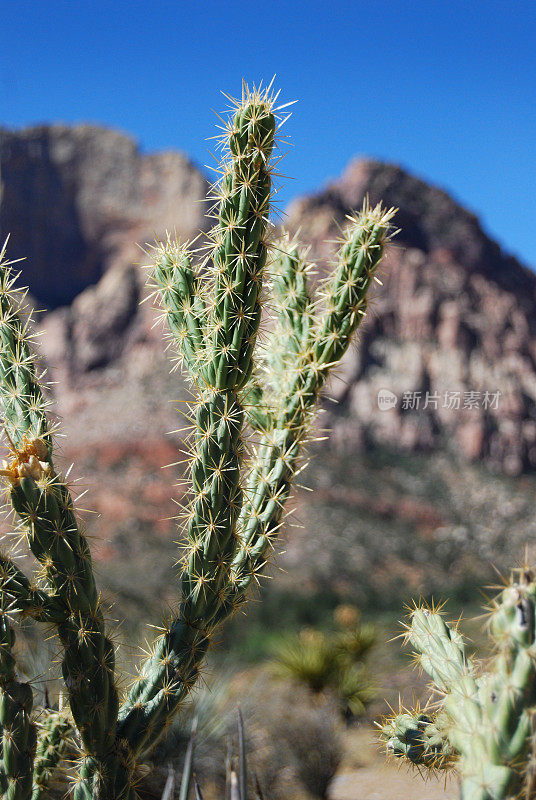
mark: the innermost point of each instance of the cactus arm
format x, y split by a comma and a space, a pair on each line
22, 597
419, 737
22, 403
489, 716
345, 292
53, 742
18, 731
277, 455
440, 650
258, 415
179, 292
223, 368
43, 502
293, 318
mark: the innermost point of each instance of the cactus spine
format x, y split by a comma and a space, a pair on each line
212, 307
483, 721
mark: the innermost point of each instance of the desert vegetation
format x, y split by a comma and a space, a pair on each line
250, 416
256, 334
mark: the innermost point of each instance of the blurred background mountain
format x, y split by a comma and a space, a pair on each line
419, 496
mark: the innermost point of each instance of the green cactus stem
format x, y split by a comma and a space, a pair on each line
53, 744
18, 731
487, 715
224, 361
44, 505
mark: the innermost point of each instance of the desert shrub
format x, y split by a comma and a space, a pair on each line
332, 661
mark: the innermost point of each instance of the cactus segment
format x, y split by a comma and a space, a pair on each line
180, 295
44, 505
440, 650
21, 398
23, 598
53, 743
419, 737
18, 731
293, 319
487, 714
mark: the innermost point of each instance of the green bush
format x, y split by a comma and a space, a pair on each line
332, 661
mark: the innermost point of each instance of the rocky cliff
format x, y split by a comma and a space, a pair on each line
449, 348
76, 199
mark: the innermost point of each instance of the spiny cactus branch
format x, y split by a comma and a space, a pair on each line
18, 730
43, 502
487, 715
223, 364
54, 741
25, 599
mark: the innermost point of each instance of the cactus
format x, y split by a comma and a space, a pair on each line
211, 302
483, 721
53, 745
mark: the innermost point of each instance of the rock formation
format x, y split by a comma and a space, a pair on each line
452, 333
75, 200
454, 319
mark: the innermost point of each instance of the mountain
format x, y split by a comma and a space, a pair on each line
411, 492
76, 199
452, 333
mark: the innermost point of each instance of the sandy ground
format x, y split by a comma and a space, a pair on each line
366, 775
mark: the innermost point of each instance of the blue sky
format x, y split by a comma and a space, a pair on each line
446, 89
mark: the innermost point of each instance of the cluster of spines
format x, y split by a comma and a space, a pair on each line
486, 714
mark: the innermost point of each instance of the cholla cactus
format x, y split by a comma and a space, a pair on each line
55, 742
483, 722
212, 307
